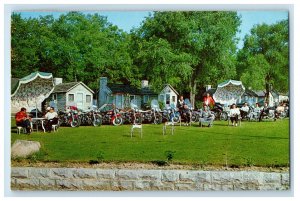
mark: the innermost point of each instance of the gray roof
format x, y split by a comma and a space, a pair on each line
260, 93
274, 94
65, 87
171, 88
127, 89
249, 92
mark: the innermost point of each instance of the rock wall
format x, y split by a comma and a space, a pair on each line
71, 179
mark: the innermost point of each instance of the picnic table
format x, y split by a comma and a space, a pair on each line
38, 122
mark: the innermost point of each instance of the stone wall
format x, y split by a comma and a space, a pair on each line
29, 178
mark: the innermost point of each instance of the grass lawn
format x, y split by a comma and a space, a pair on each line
252, 144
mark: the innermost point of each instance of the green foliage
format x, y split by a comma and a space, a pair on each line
75, 46
186, 49
264, 60
199, 104
170, 155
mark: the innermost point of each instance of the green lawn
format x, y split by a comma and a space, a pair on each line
254, 143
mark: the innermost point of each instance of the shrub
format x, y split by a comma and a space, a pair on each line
170, 155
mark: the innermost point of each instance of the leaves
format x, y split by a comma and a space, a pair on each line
186, 49
75, 46
264, 59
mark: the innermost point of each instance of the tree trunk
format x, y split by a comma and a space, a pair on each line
192, 86
267, 97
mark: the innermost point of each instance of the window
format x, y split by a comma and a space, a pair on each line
88, 98
71, 97
54, 96
173, 99
161, 97
146, 98
132, 97
110, 99
167, 98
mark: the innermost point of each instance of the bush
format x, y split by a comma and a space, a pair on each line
170, 155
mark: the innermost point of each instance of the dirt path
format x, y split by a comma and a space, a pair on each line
131, 165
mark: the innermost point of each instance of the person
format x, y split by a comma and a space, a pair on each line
180, 103
234, 114
208, 101
264, 111
257, 108
186, 114
52, 118
244, 110
207, 116
23, 120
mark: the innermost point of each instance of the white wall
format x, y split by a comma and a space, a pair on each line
167, 91
79, 91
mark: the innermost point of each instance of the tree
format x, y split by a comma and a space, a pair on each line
263, 63
75, 46
187, 49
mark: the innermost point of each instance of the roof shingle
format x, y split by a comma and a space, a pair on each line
64, 87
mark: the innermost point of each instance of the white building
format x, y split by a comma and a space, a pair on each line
168, 95
72, 94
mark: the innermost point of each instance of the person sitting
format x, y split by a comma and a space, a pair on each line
186, 116
244, 110
206, 116
257, 109
264, 111
280, 108
180, 104
23, 120
234, 114
52, 118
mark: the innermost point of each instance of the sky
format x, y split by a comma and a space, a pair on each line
127, 20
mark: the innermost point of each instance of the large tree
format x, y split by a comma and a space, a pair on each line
263, 62
186, 49
75, 46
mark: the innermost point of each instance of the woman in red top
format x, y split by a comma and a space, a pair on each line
22, 119
208, 101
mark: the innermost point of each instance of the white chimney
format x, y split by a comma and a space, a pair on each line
145, 83
57, 80
208, 87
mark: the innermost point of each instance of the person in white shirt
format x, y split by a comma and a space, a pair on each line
234, 114
52, 118
244, 110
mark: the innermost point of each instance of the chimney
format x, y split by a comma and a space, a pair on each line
102, 96
145, 84
208, 87
57, 81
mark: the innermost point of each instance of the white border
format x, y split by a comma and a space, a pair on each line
214, 5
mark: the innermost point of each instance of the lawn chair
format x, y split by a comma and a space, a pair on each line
20, 128
206, 117
168, 123
209, 121
239, 120
138, 126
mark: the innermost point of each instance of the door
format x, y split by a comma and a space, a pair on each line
79, 100
119, 101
